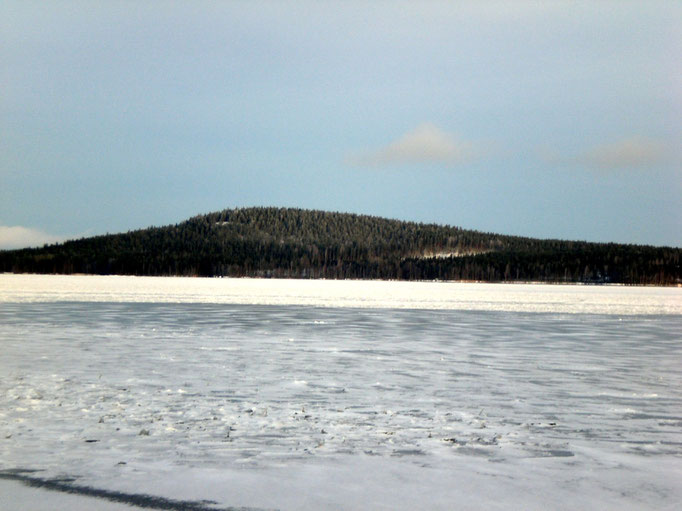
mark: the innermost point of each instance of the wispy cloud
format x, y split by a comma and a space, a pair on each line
634, 152
21, 237
426, 144
629, 152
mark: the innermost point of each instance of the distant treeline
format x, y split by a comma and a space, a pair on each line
295, 243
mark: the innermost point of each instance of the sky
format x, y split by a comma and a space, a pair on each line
551, 119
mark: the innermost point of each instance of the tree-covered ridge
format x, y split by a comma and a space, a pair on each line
295, 243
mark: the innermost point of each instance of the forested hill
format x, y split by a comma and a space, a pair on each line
295, 243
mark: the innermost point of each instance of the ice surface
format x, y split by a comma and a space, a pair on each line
302, 407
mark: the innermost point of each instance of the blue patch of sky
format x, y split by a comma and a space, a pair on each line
119, 115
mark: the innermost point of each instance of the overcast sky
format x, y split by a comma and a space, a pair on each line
545, 119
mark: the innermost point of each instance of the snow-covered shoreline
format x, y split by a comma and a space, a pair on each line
343, 293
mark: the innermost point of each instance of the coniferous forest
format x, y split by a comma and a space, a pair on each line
296, 243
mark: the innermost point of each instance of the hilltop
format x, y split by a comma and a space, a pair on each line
296, 243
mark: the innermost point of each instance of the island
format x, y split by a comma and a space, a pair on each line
270, 242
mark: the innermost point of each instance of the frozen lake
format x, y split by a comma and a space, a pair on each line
345, 395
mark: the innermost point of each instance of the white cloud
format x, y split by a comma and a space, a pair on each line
630, 152
21, 237
425, 144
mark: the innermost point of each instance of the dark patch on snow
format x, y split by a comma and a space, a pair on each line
408, 452
66, 485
